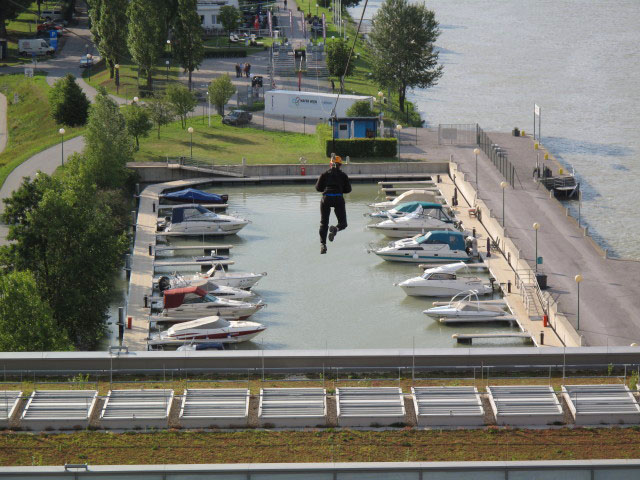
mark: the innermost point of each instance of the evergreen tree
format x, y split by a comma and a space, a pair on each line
68, 103
187, 47
229, 18
146, 36
108, 147
112, 32
220, 92
94, 11
337, 56
26, 321
137, 122
182, 101
402, 39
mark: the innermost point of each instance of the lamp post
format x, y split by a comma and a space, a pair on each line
536, 147
316, 9
536, 226
167, 64
135, 100
477, 151
190, 130
578, 279
380, 95
89, 60
503, 185
398, 129
117, 67
209, 107
169, 45
61, 132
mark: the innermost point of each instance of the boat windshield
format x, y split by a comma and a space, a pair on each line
210, 298
439, 276
199, 212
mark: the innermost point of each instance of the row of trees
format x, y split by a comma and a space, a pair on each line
140, 29
68, 237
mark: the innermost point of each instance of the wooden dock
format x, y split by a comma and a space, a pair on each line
417, 182
205, 248
402, 190
468, 337
210, 206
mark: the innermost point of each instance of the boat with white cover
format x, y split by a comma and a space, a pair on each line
416, 195
220, 276
466, 307
188, 303
167, 282
433, 247
444, 281
422, 220
401, 210
204, 330
197, 220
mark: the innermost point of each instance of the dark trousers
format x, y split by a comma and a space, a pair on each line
327, 203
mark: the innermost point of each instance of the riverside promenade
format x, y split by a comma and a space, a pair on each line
609, 308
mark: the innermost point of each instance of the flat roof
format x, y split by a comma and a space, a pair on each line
318, 94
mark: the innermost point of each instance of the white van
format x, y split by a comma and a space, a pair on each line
34, 45
51, 15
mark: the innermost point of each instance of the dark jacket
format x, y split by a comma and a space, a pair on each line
333, 180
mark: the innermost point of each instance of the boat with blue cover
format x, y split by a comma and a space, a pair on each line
433, 247
197, 220
193, 195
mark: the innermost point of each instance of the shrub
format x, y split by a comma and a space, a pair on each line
361, 108
68, 103
362, 147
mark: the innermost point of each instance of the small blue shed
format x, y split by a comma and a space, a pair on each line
355, 127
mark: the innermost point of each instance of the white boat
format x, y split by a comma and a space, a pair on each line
188, 303
210, 286
422, 220
401, 210
204, 330
197, 220
466, 307
433, 247
416, 195
444, 281
220, 276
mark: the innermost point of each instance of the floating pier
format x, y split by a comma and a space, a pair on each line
192, 263
204, 248
468, 337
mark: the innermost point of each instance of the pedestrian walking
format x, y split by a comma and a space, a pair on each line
245, 70
285, 5
238, 70
333, 87
333, 184
248, 69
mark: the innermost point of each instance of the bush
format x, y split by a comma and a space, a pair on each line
68, 103
362, 147
361, 108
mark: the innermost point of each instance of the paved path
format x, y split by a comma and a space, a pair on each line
610, 291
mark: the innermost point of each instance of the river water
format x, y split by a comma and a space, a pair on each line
344, 299
580, 62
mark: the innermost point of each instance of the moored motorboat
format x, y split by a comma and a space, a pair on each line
197, 220
433, 247
444, 281
416, 195
421, 220
220, 276
206, 330
466, 307
193, 195
167, 282
401, 210
188, 303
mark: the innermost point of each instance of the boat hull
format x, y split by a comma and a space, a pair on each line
423, 258
405, 232
205, 337
442, 291
230, 313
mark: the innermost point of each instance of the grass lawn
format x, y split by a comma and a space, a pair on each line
128, 77
30, 126
222, 144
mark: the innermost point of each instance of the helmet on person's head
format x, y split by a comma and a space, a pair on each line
336, 159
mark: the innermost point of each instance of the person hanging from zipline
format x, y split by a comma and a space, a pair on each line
333, 184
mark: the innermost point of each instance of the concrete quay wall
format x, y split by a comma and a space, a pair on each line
158, 172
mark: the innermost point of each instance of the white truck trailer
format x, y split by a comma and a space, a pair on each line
309, 104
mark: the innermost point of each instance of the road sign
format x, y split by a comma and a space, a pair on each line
28, 72
53, 34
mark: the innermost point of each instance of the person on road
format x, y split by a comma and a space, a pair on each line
333, 184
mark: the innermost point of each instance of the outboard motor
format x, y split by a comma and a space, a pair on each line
164, 284
471, 246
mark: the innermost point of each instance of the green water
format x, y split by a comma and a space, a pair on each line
342, 300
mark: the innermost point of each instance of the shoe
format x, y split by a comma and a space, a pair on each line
332, 233
323, 249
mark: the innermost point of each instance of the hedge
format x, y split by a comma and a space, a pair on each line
362, 147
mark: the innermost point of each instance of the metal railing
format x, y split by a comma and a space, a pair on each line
498, 156
458, 134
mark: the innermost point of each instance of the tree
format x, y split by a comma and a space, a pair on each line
72, 243
146, 36
160, 112
112, 32
229, 18
108, 147
187, 47
137, 122
26, 321
182, 101
361, 109
220, 92
402, 39
94, 11
68, 103
337, 56
9, 10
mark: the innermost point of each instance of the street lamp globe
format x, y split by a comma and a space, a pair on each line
168, 42
190, 129
504, 184
62, 131
578, 278
536, 226
380, 94
398, 127
476, 151
135, 99
117, 66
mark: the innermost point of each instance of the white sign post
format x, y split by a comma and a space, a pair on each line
536, 112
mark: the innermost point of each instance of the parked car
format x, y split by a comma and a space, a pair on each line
86, 62
46, 27
34, 46
237, 117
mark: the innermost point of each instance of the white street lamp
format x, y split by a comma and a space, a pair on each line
536, 227
398, 129
62, 132
578, 279
476, 151
503, 185
190, 130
